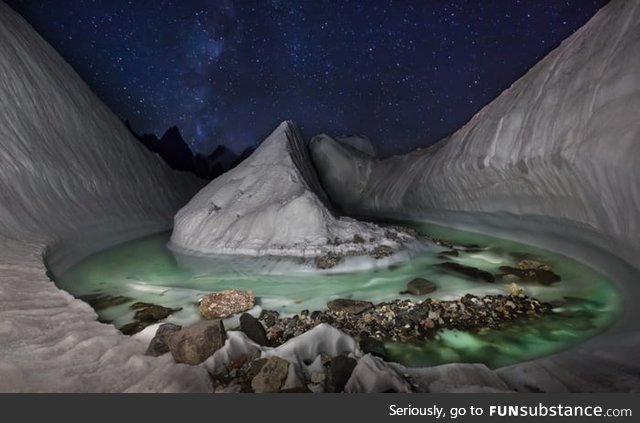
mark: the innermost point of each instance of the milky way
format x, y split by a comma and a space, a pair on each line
405, 73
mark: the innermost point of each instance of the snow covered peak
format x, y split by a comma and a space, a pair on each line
272, 204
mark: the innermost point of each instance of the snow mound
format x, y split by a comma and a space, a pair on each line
273, 204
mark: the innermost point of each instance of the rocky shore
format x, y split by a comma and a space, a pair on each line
405, 320
366, 326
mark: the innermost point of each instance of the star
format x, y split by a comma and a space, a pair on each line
404, 73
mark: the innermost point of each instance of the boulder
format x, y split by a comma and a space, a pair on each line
132, 327
539, 275
194, 344
349, 306
253, 329
146, 315
272, 375
147, 312
420, 286
158, 344
532, 264
225, 303
373, 346
340, 369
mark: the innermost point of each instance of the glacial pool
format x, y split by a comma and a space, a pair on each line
146, 270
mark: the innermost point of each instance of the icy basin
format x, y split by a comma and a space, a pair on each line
146, 270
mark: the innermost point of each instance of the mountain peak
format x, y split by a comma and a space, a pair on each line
172, 132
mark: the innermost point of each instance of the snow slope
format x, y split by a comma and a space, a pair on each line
272, 204
69, 172
563, 141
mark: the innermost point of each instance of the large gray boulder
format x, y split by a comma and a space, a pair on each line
194, 344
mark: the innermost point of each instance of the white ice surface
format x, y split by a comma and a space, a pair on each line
69, 172
271, 204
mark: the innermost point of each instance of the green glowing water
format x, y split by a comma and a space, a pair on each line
146, 270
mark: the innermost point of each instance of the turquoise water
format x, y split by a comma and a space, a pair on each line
146, 270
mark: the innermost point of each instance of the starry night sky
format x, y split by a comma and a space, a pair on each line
405, 73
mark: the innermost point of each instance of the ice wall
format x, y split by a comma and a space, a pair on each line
70, 171
563, 141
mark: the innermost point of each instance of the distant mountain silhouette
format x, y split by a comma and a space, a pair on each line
176, 152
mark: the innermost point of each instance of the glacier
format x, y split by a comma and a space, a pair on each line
272, 204
553, 161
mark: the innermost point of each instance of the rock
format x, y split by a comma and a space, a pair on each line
100, 301
146, 315
225, 303
328, 261
253, 329
132, 328
158, 344
531, 270
532, 264
269, 317
468, 271
318, 378
373, 346
239, 361
420, 286
544, 277
515, 290
152, 312
194, 344
340, 369
381, 251
271, 376
357, 239
349, 306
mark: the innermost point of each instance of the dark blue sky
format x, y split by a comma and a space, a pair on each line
405, 73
